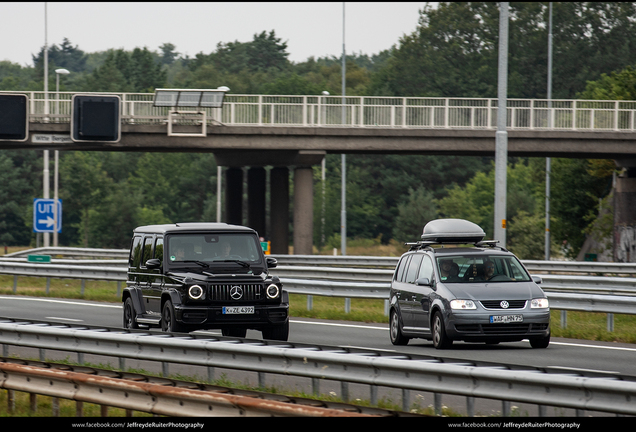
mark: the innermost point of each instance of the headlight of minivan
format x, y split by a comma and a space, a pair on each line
462, 304
539, 303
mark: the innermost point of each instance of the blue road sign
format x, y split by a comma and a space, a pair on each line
44, 215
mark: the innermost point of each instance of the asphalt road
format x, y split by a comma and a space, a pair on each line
567, 354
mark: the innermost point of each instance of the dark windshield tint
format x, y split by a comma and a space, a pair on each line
481, 268
209, 248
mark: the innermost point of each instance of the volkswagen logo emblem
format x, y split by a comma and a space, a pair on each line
504, 304
236, 292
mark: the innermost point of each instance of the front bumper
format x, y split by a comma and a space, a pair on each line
476, 326
212, 317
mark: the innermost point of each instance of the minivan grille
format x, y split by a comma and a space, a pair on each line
249, 292
496, 304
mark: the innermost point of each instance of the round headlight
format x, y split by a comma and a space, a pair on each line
272, 291
195, 292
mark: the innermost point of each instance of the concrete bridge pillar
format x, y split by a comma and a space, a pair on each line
278, 232
625, 213
234, 196
303, 210
279, 209
256, 185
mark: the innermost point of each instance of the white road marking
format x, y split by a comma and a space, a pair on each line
340, 325
593, 346
102, 305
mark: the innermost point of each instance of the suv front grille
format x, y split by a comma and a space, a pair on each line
250, 292
496, 304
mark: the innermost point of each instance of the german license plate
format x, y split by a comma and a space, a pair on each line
238, 310
506, 318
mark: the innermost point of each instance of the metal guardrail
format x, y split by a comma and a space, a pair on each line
566, 292
368, 112
544, 387
164, 396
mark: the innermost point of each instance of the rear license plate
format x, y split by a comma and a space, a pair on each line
238, 310
506, 318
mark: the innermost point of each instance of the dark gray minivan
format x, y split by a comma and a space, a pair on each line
452, 285
190, 276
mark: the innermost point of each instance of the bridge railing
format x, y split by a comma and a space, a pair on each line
368, 112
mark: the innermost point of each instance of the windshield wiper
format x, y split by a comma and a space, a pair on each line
239, 262
201, 263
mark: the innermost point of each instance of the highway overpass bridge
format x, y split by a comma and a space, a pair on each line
293, 133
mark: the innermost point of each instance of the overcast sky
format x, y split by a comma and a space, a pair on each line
310, 29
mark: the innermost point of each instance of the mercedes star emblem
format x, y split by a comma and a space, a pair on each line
236, 292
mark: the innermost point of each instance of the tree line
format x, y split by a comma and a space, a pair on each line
451, 53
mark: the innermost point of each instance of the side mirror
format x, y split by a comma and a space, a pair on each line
153, 263
424, 282
271, 262
537, 279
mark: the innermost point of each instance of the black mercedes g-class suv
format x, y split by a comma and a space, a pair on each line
190, 276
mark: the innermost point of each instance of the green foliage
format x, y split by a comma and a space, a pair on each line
452, 52
413, 214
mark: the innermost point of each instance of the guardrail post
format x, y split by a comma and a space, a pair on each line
55, 407
374, 394
210, 373
15, 284
505, 408
406, 399
564, 319
11, 400
83, 286
310, 302
48, 285
33, 402
543, 411
437, 403
165, 366
470, 406
261, 380
610, 322
344, 391
315, 386
347, 305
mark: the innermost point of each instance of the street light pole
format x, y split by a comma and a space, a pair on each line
548, 161
501, 138
343, 213
45, 171
58, 72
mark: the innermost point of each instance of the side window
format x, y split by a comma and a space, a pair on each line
147, 249
426, 270
400, 269
159, 249
414, 267
135, 252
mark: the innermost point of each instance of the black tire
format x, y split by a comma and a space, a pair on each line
130, 321
168, 319
395, 330
541, 342
440, 339
279, 332
234, 332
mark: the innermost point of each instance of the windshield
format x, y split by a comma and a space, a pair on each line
481, 268
210, 248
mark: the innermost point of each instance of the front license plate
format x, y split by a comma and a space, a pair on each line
505, 318
238, 310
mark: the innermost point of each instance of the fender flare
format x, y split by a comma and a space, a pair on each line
136, 296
